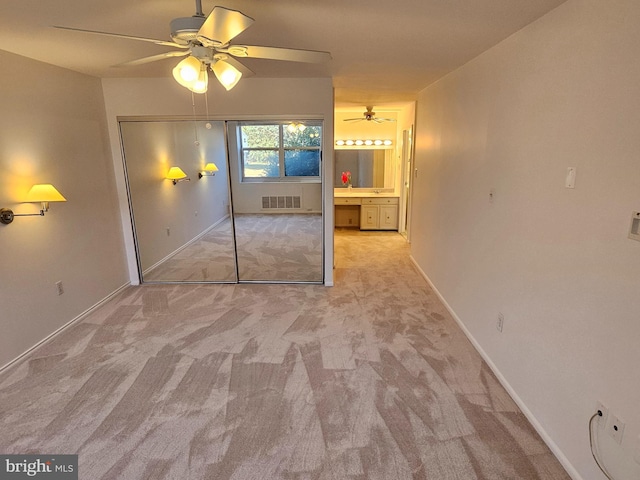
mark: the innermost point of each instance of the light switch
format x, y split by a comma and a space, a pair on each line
570, 181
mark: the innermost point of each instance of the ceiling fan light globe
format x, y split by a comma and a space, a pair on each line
200, 84
187, 71
227, 74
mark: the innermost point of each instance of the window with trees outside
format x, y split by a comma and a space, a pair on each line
280, 151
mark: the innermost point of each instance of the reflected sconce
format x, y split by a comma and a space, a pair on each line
43, 193
176, 174
209, 170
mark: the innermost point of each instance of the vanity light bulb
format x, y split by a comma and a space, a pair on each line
349, 142
339, 142
359, 142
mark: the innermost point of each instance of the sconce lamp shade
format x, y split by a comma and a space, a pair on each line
227, 74
209, 169
44, 193
176, 174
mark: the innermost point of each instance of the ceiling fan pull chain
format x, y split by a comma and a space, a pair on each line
206, 103
195, 123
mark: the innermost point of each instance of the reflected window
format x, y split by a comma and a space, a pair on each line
280, 151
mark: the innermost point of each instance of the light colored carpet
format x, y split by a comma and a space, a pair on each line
370, 379
271, 247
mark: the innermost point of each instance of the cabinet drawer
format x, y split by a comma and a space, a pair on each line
346, 201
380, 201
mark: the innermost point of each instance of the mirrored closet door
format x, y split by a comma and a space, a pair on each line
277, 200
183, 226
254, 217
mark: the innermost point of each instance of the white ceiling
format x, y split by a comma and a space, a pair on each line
382, 51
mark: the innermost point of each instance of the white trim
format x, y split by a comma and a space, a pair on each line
573, 473
66, 325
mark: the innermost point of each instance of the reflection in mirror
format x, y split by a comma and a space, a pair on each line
277, 200
183, 232
370, 168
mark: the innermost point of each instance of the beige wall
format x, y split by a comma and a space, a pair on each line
556, 262
53, 130
251, 98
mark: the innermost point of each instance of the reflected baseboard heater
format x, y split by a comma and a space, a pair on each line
281, 201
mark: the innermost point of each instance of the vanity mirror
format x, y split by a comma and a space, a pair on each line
370, 168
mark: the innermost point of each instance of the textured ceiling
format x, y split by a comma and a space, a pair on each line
381, 51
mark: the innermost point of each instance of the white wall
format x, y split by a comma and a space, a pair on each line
52, 130
564, 91
250, 99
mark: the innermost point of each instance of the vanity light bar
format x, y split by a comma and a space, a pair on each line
366, 143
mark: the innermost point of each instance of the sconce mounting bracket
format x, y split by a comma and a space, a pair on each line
6, 216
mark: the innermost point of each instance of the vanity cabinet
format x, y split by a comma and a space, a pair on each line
347, 211
379, 214
367, 213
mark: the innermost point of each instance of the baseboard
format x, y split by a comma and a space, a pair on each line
66, 325
564, 461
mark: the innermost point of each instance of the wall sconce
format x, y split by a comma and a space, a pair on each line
209, 170
176, 174
43, 193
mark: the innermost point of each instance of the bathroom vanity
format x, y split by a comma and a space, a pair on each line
367, 211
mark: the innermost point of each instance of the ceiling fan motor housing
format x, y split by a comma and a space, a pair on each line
185, 29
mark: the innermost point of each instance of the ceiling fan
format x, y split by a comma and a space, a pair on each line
205, 41
370, 116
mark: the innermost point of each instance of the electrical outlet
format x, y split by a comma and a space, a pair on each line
600, 407
500, 322
616, 428
60, 288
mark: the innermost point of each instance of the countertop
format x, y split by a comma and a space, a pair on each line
344, 193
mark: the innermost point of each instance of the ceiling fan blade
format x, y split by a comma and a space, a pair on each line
118, 35
246, 72
277, 53
222, 25
153, 58
353, 119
